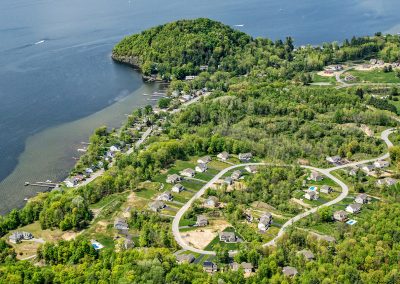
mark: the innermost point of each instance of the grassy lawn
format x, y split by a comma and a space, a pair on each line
323, 79
147, 193
374, 76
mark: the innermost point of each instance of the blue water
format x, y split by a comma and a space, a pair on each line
55, 65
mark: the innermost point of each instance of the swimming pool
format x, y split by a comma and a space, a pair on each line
351, 222
313, 188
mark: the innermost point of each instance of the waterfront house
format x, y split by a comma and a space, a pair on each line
188, 173
311, 195
353, 208
177, 188
315, 176
265, 222
251, 169
201, 168
201, 221
307, 254
70, 182
88, 171
156, 205
381, 164
326, 189
224, 156
173, 178
204, 160
185, 258
210, 267
340, 216
236, 175
185, 98
362, 198
211, 202
165, 196
120, 224
245, 157
289, 271
227, 237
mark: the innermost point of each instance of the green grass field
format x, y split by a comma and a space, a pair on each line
374, 76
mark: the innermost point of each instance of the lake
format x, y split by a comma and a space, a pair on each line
58, 83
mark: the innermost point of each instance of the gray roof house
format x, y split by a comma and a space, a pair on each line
201, 221
120, 224
165, 196
289, 271
353, 208
381, 164
326, 189
211, 201
245, 157
210, 267
340, 216
334, 159
228, 181
17, 237
247, 266
188, 173
362, 198
228, 237
251, 169
265, 222
173, 178
201, 168
236, 175
224, 156
204, 160
311, 195
156, 205
178, 188
185, 258
307, 254
315, 176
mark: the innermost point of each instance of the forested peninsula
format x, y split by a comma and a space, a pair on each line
304, 142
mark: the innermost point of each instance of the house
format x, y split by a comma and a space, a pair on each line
114, 149
368, 168
315, 176
353, 172
251, 169
362, 198
236, 175
227, 237
381, 164
373, 61
307, 254
380, 62
173, 178
188, 173
185, 98
210, 267
177, 188
224, 156
70, 182
311, 195
326, 189
165, 196
201, 168
265, 222
157, 206
248, 216
349, 78
289, 271
190, 77
185, 258
245, 157
247, 267
88, 171
340, 216
203, 67
353, 208
211, 202
334, 159
228, 181
175, 94
17, 237
387, 181
201, 221
204, 160
120, 224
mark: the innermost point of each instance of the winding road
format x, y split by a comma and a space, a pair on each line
327, 172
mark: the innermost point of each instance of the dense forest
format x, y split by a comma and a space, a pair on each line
259, 103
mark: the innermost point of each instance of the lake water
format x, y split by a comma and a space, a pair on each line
57, 82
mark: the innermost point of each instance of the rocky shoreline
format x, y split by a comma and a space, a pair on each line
134, 62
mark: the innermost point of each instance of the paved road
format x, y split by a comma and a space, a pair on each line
327, 172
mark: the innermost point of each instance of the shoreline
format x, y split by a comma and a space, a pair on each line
48, 154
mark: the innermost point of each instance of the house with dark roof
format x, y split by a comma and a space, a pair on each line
210, 267
120, 224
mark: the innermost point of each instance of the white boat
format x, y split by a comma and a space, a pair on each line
239, 25
40, 41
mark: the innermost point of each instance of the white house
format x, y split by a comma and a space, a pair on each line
224, 156
204, 160
353, 208
201, 168
177, 188
334, 159
362, 198
188, 173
